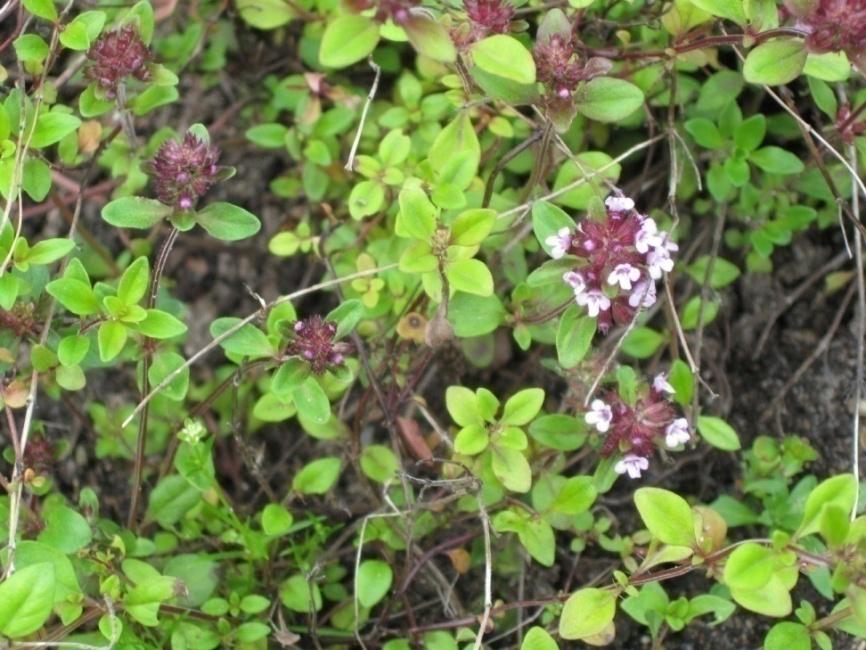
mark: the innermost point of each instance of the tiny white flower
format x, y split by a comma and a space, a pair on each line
677, 433
594, 301
599, 415
624, 275
575, 281
647, 236
662, 385
631, 464
619, 203
559, 243
644, 294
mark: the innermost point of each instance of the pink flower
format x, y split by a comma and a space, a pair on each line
632, 465
647, 236
560, 243
599, 415
662, 385
314, 342
643, 295
677, 433
594, 301
576, 281
659, 260
184, 171
624, 275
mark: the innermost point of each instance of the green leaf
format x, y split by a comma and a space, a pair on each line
750, 133
53, 127
301, 595
506, 57
166, 362
718, 433
80, 33
475, 315
730, 9
265, 14
574, 336
788, 636
471, 440
153, 97
42, 9
276, 520
228, 222
160, 325
775, 62
417, 215
750, 566
26, 599
366, 198
839, 490
522, 407
776, 160
723, 272
379, 463
829, 66
705, 133
133, 283
471, 227
143, 600
65, 529
269, 136
134, 212
430, 38
561, 432
462, 405
248, 341
457, 143
373, 581
773, 599
72, 349
312, 401
171, 499
587, 612
111, 338
49, 250
348, 39
575, 496
31, 47
512, 469
666, 515
547, 220
607, 99
318, 476
642, 342
470, 276
537, 638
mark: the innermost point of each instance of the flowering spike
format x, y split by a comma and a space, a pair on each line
621, 257
489, 16
184, 171
115, 55
314, 342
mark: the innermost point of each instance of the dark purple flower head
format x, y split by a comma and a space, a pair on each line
636, 430
620, 258
833, 26
489, 16
184, 170
557, 65
314, 342
39, 454
116, 55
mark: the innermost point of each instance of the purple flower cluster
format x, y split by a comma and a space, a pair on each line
833, 26
635, 431
621, 257
314, 342
183, 171
488, 17
116, 55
